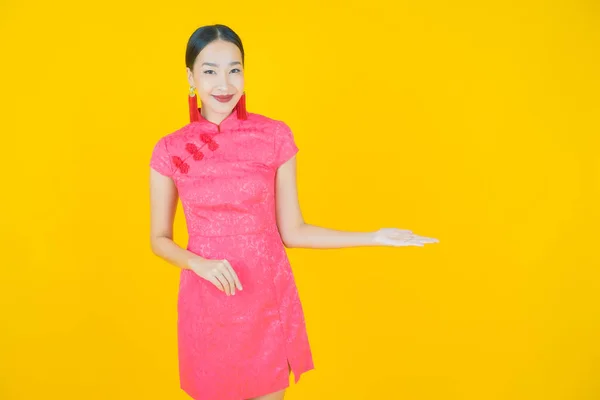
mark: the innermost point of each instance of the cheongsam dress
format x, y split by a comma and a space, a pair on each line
240, 346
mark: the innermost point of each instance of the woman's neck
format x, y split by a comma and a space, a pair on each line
215, 118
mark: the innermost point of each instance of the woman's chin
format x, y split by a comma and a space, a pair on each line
223, 108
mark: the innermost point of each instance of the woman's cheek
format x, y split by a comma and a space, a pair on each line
238, 81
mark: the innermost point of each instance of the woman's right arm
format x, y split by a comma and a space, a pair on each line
163, 203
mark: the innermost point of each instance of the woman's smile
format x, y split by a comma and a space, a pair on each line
223, 99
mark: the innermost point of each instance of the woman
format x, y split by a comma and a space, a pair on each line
241, 328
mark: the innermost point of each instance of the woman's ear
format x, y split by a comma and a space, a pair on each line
190, 77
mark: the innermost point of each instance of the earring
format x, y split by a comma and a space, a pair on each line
193, 105
241, 107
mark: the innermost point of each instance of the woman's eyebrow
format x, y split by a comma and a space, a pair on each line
216, 65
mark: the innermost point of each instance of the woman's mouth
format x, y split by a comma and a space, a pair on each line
223, 99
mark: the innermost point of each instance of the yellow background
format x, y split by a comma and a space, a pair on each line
475, 123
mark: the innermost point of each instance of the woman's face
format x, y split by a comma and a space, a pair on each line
218, 75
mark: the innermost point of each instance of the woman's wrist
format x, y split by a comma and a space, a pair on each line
371, 238
194, 261
188, 263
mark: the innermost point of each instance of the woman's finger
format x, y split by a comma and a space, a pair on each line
428, 240
226, 272
225, 281
411, 242
236, 278
216, 282
219, 276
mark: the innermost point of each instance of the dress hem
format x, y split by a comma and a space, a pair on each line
286, 386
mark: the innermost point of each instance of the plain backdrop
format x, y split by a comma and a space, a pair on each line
474, 122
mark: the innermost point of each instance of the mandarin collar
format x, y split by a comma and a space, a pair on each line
228, 123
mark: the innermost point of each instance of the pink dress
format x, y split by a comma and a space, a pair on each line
235, 347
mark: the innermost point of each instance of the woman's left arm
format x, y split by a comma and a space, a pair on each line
296, 233
292, 228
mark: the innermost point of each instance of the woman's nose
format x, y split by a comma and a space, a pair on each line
223, 82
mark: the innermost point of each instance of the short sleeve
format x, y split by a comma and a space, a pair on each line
161, 159
285, 145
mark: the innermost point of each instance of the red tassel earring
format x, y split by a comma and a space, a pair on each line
193, 103
241, 107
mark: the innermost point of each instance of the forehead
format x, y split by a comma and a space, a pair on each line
221, 52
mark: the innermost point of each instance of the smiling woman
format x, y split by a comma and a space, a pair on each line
216, 72
241, 326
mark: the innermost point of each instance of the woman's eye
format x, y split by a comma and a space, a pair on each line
236, 70
210, 71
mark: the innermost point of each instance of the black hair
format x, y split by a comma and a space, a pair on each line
207, 34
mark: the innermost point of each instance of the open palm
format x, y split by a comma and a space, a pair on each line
400, 237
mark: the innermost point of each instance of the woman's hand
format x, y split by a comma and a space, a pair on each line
218, 272
400, 237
